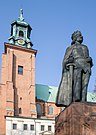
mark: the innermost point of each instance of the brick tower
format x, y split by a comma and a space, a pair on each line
17, 88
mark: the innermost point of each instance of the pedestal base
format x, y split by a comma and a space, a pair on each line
77, 119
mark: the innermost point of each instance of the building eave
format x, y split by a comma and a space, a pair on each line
12, 46
29, 118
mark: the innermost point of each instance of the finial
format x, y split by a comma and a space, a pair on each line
21, 15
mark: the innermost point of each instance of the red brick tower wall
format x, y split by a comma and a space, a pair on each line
17, 91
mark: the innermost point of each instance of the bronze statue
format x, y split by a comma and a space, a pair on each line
76, 72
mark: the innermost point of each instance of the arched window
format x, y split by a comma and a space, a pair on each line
39, 110
50, 109
21, 34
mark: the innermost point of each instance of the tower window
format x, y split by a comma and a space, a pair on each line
20, 110
20, 70
20, 98
21, 34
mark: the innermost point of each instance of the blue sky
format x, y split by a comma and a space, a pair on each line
53, 22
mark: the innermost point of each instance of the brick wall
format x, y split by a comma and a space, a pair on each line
17, 91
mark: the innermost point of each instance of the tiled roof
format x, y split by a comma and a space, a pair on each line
48, 93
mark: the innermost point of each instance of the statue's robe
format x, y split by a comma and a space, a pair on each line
80, 76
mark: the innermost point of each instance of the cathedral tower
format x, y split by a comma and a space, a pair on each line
17, 88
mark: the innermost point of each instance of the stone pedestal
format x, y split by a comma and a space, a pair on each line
77, 119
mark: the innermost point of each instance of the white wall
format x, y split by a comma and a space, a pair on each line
29, 121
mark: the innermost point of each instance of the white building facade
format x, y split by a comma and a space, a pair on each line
29, 126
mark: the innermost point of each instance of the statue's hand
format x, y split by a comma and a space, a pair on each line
89, 60
70, 60
70, 64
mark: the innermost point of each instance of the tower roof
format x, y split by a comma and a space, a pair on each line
20, 20
20, 32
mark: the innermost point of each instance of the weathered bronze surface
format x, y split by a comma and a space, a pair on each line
76, 71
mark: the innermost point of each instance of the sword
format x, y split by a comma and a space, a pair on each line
70, 67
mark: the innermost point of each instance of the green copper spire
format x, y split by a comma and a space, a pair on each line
20, 32
21, 16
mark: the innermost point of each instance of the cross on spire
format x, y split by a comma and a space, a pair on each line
21, 18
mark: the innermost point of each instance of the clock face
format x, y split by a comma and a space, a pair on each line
21, 42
